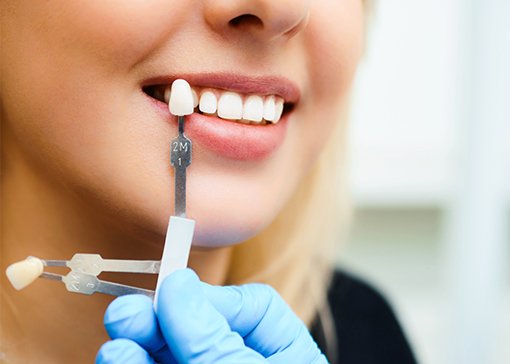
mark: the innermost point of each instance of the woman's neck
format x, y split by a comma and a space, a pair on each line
44, 219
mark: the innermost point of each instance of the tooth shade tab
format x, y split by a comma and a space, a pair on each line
208, 102
22, 273
181, 98
230, 106
166, 96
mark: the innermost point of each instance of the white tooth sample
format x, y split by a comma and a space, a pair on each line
181, 98
166, 94
269, 108
230, 106
195, 98
22, 273
278, 109
208, 102
253, 108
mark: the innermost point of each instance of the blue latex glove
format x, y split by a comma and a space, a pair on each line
200, 323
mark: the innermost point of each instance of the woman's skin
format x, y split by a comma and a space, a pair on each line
85, 159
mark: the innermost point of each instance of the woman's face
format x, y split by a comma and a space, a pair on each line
76, 94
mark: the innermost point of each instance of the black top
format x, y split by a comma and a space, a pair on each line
367, 330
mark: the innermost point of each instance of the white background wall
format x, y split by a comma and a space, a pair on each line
430, 170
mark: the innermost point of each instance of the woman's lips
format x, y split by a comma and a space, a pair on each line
230, 139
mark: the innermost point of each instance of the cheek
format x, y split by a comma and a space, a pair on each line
334, 39
111, 37
334, 43
116, 34
66, 103
69, 109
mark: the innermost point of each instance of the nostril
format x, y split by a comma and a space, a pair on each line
246, 20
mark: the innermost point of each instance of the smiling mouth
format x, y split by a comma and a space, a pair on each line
245, 108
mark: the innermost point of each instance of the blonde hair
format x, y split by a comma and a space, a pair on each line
296, 253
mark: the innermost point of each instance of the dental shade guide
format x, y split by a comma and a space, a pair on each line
83, 275
86, 267
180, 230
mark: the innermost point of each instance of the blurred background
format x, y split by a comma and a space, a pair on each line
430, 174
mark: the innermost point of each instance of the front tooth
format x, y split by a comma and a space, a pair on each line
278, 109
253, 108
230, 106
208, 102
195, 98
269, 108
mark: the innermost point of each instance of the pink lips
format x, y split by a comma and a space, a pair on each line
230, 139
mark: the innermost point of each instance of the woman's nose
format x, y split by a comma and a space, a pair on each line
262, 19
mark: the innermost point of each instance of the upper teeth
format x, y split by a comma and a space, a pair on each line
233, 106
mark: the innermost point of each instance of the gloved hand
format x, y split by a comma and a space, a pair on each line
200, 323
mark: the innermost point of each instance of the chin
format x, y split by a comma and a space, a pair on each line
214, 235
229, 206
230, 216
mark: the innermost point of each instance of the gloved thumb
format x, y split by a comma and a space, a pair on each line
195, 331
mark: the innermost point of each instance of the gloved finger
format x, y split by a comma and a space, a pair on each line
267, 324
132, 317
122, 351
194, 330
